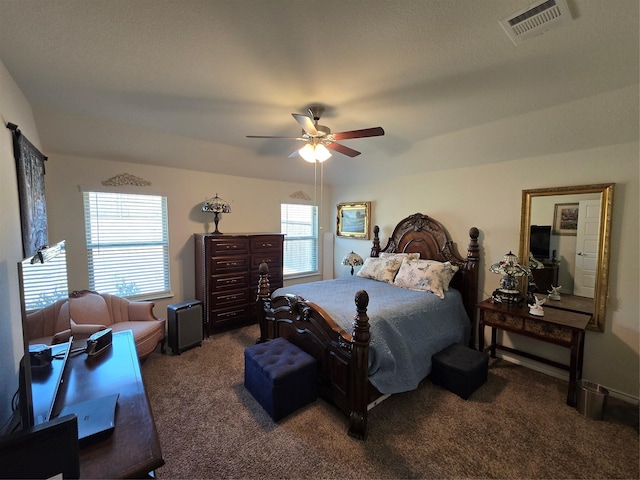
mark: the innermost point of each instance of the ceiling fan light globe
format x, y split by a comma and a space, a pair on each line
322, 153
308, 153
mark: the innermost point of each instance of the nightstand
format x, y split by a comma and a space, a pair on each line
560, 327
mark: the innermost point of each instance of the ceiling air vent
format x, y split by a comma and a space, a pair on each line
536, 19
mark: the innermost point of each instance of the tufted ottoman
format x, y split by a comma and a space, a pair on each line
459, 369
281, 376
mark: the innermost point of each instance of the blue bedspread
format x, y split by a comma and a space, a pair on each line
407, 327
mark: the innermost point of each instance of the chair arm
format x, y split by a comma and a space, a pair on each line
61, 337
139, 311
85, 329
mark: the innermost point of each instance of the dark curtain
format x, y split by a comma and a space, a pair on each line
33, 209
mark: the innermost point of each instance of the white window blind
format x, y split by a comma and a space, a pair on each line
44, 282
299, 223
127, 244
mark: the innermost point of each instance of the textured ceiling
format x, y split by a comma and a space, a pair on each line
181, 83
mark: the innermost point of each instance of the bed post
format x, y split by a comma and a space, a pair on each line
471, 280
263, 302
375, 250
360, 368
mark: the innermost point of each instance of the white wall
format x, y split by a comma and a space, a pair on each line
14, 108
255, 207
489, 197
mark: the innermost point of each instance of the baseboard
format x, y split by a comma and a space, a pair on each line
561, 374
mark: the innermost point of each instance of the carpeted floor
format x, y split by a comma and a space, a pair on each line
515, 426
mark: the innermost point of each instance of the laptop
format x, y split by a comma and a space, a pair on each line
96, 417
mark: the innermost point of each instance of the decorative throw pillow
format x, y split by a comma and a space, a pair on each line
425, 275
383, 269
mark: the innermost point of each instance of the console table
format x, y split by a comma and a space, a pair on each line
133, 449
560, 327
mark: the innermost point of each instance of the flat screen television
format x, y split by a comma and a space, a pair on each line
43, 280
540, 241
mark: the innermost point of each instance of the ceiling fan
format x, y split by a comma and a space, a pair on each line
319, 139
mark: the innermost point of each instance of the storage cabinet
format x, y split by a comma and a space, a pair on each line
227, 275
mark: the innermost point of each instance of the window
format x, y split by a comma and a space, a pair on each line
299, 223
43, 278
127, 244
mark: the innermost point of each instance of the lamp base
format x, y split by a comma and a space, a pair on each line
507, 297
216, 219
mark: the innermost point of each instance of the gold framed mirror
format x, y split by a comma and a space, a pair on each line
569, 229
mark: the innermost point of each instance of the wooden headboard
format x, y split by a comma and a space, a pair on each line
428, 237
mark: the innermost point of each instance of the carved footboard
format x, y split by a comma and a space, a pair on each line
342, 357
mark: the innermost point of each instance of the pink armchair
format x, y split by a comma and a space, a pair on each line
86, 312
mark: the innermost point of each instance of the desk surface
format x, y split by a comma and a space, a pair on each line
556, 316
133, 450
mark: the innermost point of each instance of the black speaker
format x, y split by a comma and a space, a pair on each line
184, 321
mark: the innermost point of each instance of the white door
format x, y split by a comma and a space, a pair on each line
587, 248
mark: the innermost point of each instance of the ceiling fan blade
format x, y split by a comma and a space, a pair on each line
306, 123
350, 152
269, 136
366, 132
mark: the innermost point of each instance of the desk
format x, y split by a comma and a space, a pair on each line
133, 450
559, 327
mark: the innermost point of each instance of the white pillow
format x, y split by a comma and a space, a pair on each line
425, 275
383, 269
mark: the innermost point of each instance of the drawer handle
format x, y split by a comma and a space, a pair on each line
231, 314
267, 245
235, 296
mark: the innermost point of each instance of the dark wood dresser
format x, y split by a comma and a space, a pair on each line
227, 275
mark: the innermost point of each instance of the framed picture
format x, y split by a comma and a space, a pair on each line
565, 219
33, 211
353, 220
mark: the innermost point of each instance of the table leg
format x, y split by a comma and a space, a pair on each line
573, 367
481, 331
494, 339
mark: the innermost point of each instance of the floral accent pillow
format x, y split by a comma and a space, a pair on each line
425, 275
383, 269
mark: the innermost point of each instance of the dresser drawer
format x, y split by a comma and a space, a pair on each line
273, 259
229, 316
501, 320
220, 265
228, 246
230, 298
548, 330
232, 281
262, 243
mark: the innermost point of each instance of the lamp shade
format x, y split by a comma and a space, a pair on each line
509, 265
216, 205
534, 263
352, 260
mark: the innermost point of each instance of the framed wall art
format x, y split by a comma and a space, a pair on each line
565, 219
353, 220
33, 209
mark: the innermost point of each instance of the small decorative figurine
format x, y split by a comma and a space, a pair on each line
537, 308
554, 293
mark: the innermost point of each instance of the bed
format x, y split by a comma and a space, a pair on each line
353, 372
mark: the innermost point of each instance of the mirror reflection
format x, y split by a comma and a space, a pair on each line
565, 237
